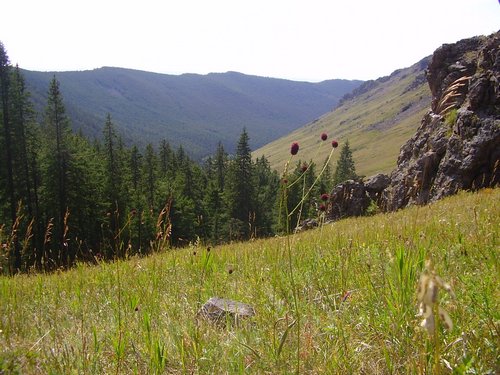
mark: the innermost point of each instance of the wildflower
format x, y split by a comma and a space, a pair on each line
294, 148
325, 197
324, 136
428, 303
284, 181
335, 144
304, 167
322, 207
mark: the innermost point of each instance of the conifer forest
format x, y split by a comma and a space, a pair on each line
66, 198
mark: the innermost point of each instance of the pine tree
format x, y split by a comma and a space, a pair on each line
21, 114
25, 164
138, 203
57, 160
220, 166
214, 198
114, 190
239, 191
85, 196
183, 211
267, 185
5, 75
166, 159
345, 169
150, 175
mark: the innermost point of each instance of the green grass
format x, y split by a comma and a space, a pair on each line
355, 283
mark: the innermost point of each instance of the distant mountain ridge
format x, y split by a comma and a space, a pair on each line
196, 111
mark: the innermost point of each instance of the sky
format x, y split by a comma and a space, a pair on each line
305, 40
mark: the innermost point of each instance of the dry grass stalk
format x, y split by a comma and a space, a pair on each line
448, 99
428, 300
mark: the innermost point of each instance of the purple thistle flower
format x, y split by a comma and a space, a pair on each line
294, 148
324, 136
335, 144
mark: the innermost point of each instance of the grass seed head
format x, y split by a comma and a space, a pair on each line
428, 297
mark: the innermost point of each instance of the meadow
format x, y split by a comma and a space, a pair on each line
340, 299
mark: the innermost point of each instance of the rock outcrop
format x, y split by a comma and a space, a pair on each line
456, 147
348, 199
352, 198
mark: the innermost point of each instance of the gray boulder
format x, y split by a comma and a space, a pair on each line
221, 311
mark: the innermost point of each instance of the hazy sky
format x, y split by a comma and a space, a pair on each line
310, 40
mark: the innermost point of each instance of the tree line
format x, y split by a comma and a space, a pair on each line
65, 198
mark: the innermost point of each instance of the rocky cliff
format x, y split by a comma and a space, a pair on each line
457, 145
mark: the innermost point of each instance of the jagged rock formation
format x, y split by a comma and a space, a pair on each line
348, 199
352, 198
457, 145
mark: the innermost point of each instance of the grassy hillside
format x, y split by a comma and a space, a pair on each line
196, 111
377, 120
348, 289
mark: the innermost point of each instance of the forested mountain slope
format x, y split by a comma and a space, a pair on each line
196, 111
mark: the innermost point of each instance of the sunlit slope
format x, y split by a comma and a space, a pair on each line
377, 120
